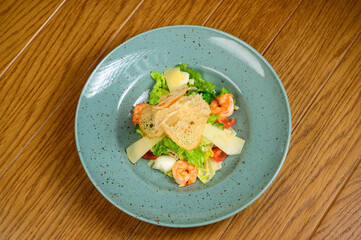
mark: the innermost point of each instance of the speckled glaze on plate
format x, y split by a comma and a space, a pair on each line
103, 127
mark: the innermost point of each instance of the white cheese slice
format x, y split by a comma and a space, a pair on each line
231, 131
228, 143
175, 78
140, 147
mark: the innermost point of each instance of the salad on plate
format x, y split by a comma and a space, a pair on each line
185, 126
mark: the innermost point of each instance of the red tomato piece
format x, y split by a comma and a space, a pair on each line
149, 155
218, 154
226, 122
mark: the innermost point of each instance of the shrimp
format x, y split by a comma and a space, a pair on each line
136, 112
223, 105
184, 173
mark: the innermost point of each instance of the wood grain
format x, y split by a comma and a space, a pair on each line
236, 18
50, 66
324, 151
46, 194
309, 47
212, 231
44, 177
39, 184
343, 221
88, 211
253, 21
165, 13
133, 27
42, 180
19, 22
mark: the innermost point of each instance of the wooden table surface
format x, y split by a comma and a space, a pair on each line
48, 50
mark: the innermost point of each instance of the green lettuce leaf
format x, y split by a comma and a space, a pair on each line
204, 142
160, 88
169, 174
218, 125
207, 97
224, 91
213, 118
207, 172
196, 157
183, 67
202, 175
166, 144
208, 152
138, 130
159, 149
199, 83
205, 86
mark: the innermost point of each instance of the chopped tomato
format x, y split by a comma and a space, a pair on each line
226, 122
149, 155
218, 154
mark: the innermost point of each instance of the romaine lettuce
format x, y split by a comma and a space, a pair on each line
169, 174
162, 147
159, 149
224, 91
160, 88
183, 67
207, 172
195, 157
138, 130
218, 125
201, 85
207, 97
168, 143
213, 120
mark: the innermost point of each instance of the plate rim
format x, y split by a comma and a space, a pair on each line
217, 219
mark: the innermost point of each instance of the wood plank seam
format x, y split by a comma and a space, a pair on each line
202, 25
347, 180
56, 108
302, 117
226, 228
90, 67
263, 52
210, 15
324, 83
66, 203
347, 211
32, 38
315, 97
279, 30
303, 114
309, 110
134, 231
124, 34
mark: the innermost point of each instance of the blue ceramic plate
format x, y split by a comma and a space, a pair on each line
103, 126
